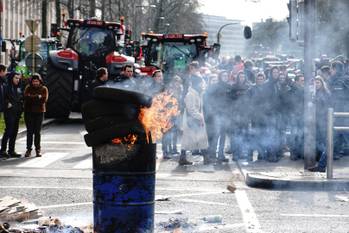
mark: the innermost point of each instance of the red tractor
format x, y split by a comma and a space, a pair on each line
90, 44
173, 52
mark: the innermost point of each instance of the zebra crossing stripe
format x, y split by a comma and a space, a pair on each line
84, 164
46, 159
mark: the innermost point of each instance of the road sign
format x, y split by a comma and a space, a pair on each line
34, 62
32, 43
32, 24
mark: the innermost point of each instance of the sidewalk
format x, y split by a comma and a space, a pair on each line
287, 174
22, 131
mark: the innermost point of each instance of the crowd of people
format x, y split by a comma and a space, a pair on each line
229, 107
239, 109
16, 97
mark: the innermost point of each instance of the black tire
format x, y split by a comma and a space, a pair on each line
60, 88
122, 96
104, 122
105, 135
97, 108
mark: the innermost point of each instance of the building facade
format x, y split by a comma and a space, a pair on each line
231, 37
13, 16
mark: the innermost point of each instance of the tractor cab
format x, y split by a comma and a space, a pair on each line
172, 52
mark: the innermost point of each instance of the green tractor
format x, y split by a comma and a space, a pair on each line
21, 60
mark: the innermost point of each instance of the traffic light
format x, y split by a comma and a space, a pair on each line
292, 19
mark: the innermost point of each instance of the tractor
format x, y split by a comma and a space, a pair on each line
20, 58
173, 52
90, 44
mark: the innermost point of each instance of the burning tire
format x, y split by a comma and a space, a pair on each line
118, 130
60, 87
122, 96
103, 122
96, 108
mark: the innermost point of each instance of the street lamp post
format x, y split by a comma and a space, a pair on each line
220, 29
309, 107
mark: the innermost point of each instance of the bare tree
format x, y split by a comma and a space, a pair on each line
44, 18
58, 12
92, 12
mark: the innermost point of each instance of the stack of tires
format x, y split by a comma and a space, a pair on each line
113, 113
123, 174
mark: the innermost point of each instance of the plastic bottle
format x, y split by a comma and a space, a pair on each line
213, 219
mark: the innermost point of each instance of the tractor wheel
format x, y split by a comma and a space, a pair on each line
60, 88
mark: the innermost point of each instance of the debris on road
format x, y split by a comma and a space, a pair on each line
175, 224
162, 198
12, 209
231, 187
213, 219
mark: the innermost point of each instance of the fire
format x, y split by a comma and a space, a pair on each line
129, 139
156, 120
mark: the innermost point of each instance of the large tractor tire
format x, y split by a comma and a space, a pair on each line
60, 88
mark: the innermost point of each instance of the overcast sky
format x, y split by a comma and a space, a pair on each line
246, 10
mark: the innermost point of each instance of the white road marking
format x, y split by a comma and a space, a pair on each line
64, 143
250, 218
186, 195
204, 202
43, 187
215, 227
84, 164
46, 159
55, 142
317, 215
64, 205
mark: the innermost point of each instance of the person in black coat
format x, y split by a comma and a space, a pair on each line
297, 118
13, 108
3, 82
258, 117
272, 97
240, 115
101, 78
338, 85
216, 103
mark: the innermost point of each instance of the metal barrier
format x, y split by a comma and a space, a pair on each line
330, 115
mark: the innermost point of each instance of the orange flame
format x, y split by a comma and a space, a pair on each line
157, 119
129, 139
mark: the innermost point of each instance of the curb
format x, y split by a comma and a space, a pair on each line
258, 180
23, 131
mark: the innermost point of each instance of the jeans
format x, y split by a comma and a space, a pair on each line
11, 129
33, 122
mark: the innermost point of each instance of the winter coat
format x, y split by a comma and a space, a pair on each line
2, 93
13, 99
194, 128
242, 104
32, 100
258, 104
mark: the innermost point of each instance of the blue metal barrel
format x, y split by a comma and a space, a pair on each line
124, 188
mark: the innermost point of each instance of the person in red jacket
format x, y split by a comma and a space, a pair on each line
35, 98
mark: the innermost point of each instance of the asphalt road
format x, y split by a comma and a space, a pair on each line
60, 184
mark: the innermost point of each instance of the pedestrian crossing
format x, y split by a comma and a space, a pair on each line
57, 160
45, 160
84, 164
